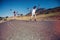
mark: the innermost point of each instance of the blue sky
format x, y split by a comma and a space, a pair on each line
22, 5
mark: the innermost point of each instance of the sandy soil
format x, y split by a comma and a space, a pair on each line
29, 30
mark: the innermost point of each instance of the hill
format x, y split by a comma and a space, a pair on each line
45, 11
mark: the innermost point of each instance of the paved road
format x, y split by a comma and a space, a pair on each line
29, 30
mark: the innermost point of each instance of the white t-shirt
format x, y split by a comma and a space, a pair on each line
33, 11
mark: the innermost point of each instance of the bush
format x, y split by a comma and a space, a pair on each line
1, 18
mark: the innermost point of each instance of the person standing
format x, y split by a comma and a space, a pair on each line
33, 16
14, 14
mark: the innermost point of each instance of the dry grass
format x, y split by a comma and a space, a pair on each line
39, 17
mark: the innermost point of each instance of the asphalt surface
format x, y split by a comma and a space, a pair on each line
29, 30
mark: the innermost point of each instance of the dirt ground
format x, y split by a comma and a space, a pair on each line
29, 30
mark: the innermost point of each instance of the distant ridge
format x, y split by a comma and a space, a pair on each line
45, 11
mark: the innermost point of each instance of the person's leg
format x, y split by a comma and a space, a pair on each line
35, 17
31, 17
